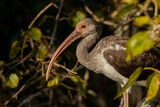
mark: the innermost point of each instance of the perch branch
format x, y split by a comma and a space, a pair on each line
68, 70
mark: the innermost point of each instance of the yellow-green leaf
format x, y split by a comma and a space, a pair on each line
80, 83
138, 43
129, 1
125, 10
2, 63
149, 80
42, 82
130, 82
141, 21
13, 81
35, 33
40, 52
158, 3
156, 19
43, 19
19, 73
15, 49
79, 15
54, 82
153, 88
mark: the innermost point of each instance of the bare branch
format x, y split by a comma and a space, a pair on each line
40, 13
68, 87
31, 97
68, 70
21, 61
56, 22
145, 8
156, 7
110, 23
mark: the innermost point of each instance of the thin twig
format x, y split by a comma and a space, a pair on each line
153, 69
14, 61
39, 14
145, 8
31, 97
59, 65
75, 65
22, 49
50, 98
96, 18
21, 61
68, 70
90, 12
156, 7
62, 75
68, 87
56, 22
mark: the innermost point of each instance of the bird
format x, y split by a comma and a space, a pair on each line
106, 55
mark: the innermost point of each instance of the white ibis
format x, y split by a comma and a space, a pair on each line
105, 56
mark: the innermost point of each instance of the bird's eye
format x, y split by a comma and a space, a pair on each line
83, 26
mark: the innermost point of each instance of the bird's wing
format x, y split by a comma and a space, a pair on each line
115, 55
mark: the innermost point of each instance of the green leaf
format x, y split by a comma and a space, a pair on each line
41, 52
78, 17
153, 88
13, 81
19, 74
80, 83
141, 21
149, 80
125, 10
2, 63
42, 82
35, 33
156, 19
158, 3
54, 82
130, 82
15, 49
129, 1
138, 43
43, 19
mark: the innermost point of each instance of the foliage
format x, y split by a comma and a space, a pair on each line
130, 82
80, 83
138, 43
12, 81
15, 49
23, 72
34, 33
53, 83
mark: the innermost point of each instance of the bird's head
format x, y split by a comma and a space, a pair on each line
87, 26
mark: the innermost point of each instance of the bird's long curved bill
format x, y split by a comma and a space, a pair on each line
70, 39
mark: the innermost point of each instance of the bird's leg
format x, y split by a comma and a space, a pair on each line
122, 102
126, 99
